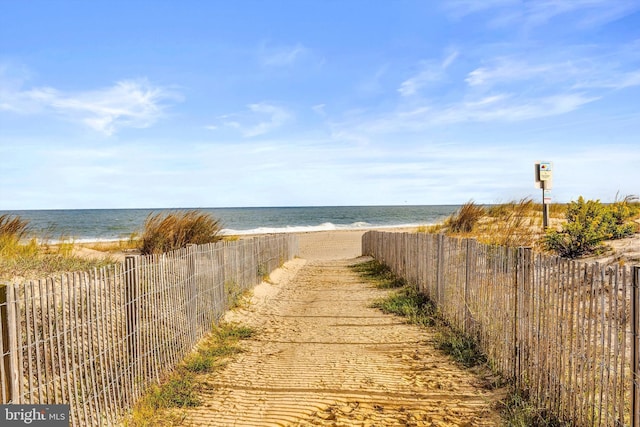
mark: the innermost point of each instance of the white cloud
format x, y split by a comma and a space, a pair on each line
319, 109
508, 70
430, 73
129, 103
612, 71
261, 118
450, 59
501, 107
282, 56
590, 13
460, 8
535, 13
612, 80
372, 85
276, 117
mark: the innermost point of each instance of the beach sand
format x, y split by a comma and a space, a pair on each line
338, 244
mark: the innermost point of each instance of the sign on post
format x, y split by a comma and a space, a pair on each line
544, 175
545, 171
544, 180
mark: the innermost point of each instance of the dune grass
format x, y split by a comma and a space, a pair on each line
162, 404
23, 258
167, 232
378, 274
466, 219
516, 223
13, 227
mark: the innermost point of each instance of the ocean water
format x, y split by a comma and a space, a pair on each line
114, 224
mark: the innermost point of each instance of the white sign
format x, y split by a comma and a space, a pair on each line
545, 171
544, 175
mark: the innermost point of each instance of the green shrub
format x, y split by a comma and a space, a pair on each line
589, 223
164, 233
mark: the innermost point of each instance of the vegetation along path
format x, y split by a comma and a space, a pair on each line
323, 357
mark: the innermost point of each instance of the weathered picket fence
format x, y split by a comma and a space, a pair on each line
566, 332
96, 340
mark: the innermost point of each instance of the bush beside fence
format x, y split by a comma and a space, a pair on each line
565, 332
96, 340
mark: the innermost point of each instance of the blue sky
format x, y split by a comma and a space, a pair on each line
122, 104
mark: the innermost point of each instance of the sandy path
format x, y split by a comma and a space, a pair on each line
322, 357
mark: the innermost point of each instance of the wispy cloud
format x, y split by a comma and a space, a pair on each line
450, 59
431, 72
505, 88
535, 13
612, 70
507, 71
589, 13
372, 85
461, 8
261, 118
319, 109
281, 56
128, 103
503, 107
615, 79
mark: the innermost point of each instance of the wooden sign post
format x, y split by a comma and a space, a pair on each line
544, 180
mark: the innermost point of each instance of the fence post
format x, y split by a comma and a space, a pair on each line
4, 325
15, 361
131, 293
192, 300
440, 271
635, 334
522, 278
469, 275
9, 325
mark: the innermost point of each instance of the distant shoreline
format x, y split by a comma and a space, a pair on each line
83, 226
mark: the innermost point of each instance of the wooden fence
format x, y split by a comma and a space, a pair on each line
96, 340
567, 333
